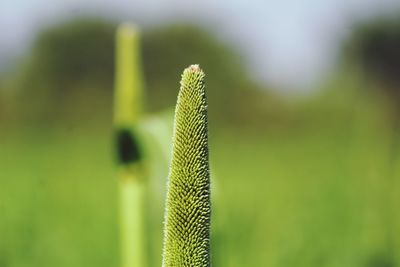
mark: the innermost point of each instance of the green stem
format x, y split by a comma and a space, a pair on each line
127, 112
131, 203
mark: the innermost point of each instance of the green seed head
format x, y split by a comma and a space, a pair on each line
188, 208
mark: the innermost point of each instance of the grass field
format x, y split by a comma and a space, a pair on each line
323, 193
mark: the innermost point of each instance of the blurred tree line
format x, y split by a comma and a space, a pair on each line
373, 49
70, 72
375, 46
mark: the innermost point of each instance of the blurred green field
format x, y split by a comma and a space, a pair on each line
306, 180
313, 193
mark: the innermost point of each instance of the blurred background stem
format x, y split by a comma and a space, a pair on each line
127, 111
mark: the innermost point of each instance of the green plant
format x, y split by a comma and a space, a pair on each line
188, 207
127, 112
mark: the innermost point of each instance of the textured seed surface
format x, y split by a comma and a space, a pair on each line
188, 208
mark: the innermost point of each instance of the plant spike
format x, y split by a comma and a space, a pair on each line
128, 77
188, 207
127, 112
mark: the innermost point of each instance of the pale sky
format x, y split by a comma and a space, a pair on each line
288, 44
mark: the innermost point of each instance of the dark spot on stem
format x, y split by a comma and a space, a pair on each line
128, 150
